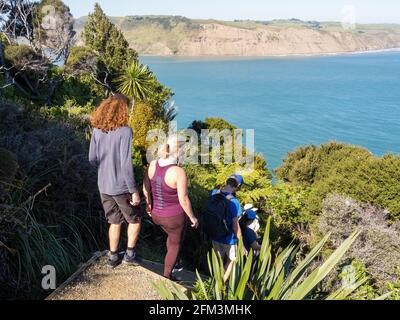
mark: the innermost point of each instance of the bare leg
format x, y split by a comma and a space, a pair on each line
114, 233
133, 234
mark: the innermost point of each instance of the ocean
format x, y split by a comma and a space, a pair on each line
292, 101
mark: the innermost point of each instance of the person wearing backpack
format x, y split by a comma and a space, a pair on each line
221, 221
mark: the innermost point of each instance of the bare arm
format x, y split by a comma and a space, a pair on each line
147, 191
236, 228
184, 197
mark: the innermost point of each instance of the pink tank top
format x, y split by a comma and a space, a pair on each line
165, 199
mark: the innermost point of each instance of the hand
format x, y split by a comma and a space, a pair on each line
135, 199
195, 222
148, 209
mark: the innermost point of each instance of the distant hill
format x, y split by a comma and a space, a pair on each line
176, 35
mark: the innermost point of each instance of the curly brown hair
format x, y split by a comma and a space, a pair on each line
111, 114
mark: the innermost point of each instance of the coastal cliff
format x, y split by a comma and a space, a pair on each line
171, 35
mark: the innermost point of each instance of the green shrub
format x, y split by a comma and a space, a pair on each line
210, 124
143, 118
286, 203
218, 124
346, 170
80, 89
79, 59
16, 55
372, 180
30, 71
307, 165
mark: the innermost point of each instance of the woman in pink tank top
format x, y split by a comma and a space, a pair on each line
165, 200
165, 189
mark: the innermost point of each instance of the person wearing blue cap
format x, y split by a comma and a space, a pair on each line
226, 245
249, 226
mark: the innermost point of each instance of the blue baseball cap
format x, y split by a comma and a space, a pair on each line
238, 178
251, 214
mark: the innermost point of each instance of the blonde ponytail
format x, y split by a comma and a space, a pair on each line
163, 151
171, 146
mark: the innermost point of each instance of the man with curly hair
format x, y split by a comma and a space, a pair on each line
111, 152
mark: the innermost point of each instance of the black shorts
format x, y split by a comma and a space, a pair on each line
119, 210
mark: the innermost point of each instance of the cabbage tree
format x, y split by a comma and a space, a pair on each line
136, 81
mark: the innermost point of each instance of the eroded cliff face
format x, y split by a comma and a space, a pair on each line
214, 39
180, 36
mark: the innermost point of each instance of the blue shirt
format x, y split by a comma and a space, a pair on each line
234, 211
249, 237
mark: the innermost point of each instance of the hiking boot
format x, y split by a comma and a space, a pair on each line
178, 267
113, 261
131, 259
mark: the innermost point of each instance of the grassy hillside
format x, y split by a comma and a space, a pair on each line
143, 31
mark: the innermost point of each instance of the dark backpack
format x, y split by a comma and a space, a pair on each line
215, 216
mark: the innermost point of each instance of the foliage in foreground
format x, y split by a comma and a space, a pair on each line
269, 277
49, 210
368, 290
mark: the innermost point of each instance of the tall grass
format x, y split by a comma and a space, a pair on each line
60, 246
61, 240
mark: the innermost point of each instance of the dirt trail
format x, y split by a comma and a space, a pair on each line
96, 281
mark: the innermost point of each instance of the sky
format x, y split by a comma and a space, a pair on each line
363, 11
